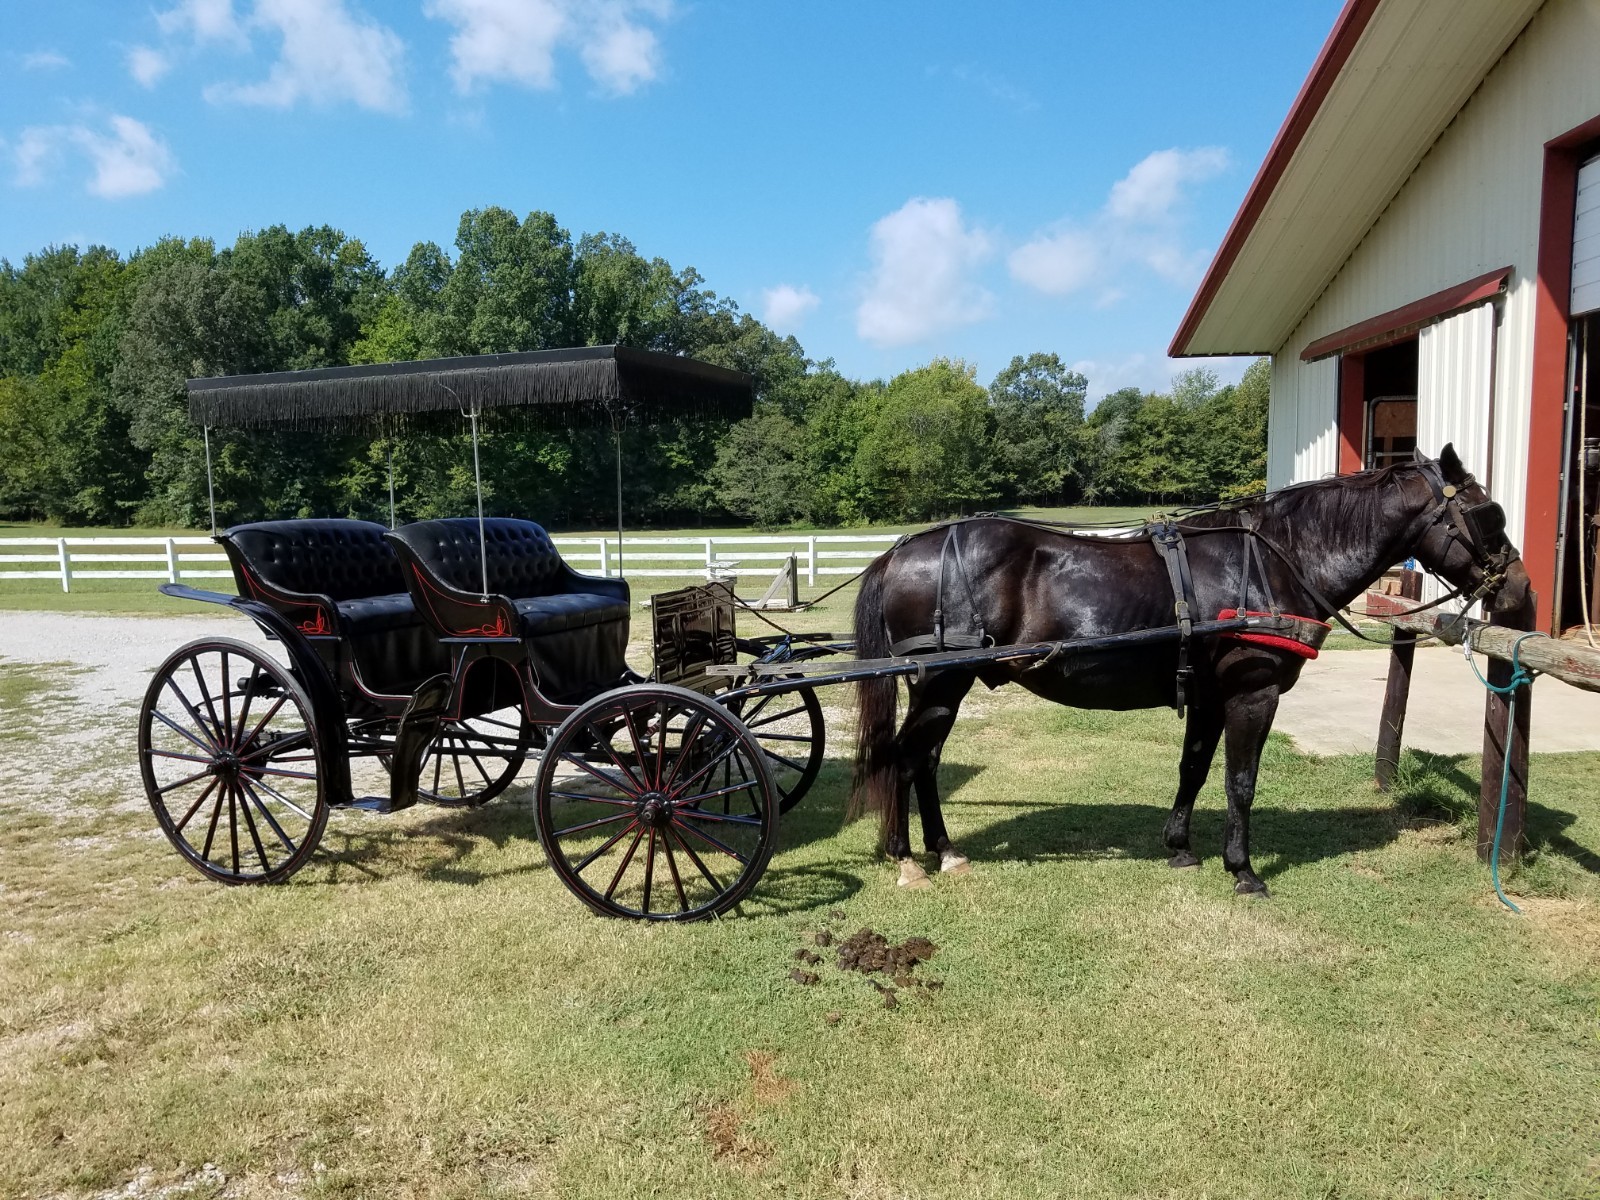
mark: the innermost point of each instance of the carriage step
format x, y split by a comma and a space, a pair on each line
374, 804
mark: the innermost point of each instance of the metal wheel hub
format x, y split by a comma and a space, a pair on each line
655, 811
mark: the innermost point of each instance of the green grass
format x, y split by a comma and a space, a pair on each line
425, 1012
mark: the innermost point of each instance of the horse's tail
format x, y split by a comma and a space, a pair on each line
877, 704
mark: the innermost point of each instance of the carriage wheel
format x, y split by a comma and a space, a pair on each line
656, 802
231, 762
791, 730
473, 759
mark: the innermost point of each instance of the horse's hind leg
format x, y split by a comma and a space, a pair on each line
1248, 718
1203, 730
934, 706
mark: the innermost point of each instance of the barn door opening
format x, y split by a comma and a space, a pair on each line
1577, 553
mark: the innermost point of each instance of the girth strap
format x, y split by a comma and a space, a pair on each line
1168, 543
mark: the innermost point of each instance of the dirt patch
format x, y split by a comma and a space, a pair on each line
766, 1085
729, 1142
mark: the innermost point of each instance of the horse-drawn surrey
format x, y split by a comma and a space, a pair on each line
454, 652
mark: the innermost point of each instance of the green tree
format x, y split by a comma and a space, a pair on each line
1038, 428
924, 454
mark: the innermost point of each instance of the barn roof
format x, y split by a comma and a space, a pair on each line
1391, 76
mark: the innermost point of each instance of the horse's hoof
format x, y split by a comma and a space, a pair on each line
1183, 860
952, 862
912, 875
1256, 891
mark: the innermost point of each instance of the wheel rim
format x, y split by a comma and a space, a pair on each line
230, 763
474, 759
790, 728
656, 803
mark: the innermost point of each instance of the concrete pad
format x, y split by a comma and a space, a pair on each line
1335, 707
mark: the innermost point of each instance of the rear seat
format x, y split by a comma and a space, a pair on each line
575, 626
335, 577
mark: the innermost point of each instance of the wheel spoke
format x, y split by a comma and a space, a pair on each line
266, 813
685, 801
162, 791
211, 829
227, 701
683, 749
281, 798
711, 841
281, 771
649, 870
571, 829
784, 737
205, 692
572, 758
788, 762
250, 824
588, 799
200, 722
700, 814
774, 718
701, 866
672, 865
461, 782
638, 749
205, 758
611, 753
438, 766
626, 859
761, 703
259, 726
195, 807
702, 771
244, 709
233, 830
180, 730
578, 867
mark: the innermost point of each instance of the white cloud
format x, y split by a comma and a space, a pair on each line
516, 41
923, 256
329, 54
147, 65
1140, 224
130, 160
205, 21
785, 307
45, 60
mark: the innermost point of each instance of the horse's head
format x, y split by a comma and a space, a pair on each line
1464, 538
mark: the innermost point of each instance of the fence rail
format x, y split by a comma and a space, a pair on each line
175, 559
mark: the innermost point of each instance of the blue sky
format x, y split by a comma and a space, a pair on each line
889, 181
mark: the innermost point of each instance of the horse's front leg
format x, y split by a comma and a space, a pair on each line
1201, 734
1247, 717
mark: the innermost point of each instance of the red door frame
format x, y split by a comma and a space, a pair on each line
1552, 298
1352, 413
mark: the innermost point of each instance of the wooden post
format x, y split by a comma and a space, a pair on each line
710, 562
811, 561
792, 571
605, 567
1494, 760
1395, 694
66, 564
172, 561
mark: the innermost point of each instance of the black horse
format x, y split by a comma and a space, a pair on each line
1316, 547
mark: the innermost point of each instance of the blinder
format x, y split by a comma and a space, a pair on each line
1481, 528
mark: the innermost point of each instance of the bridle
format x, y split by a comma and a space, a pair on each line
1479, 529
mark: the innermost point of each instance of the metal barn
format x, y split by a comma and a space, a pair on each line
1420, 255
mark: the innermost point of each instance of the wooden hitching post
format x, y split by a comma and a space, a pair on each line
1395, 693
1494, 752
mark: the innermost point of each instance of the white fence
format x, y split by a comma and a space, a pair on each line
177, 559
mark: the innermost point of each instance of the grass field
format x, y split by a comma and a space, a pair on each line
425, 1012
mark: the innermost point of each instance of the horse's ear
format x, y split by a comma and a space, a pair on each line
1450, 465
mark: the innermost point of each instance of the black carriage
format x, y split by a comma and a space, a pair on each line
432, 661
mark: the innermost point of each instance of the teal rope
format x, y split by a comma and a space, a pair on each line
1520, 676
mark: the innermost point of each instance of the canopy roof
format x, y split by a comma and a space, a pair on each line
1391, 76
589, 385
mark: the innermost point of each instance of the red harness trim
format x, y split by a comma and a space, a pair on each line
1276, 640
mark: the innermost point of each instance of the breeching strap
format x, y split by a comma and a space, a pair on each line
1168, 543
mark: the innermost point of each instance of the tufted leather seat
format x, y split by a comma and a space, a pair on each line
339, 577
575, 626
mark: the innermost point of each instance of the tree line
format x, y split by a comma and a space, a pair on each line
95, 348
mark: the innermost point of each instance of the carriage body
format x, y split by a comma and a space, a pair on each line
452, 660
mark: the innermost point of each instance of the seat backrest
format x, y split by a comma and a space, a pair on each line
522, 560
344, 560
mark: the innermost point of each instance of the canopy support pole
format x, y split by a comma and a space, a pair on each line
477, 477
211, 487
617, 433
390, 443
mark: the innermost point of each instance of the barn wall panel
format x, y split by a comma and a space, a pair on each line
1471, 206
